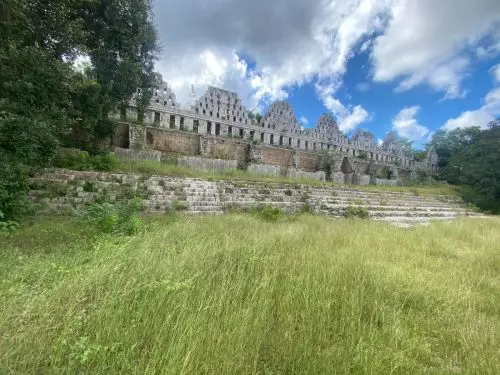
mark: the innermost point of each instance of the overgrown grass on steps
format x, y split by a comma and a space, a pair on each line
171, 169
236, 295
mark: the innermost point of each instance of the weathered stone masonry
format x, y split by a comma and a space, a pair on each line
219, 126
65, 191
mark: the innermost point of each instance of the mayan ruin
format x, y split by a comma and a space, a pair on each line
218, 126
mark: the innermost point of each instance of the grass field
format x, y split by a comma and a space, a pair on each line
237, 295
171, 169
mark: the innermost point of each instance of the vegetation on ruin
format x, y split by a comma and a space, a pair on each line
248, 294
170, 168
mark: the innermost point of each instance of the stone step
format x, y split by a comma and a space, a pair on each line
201, 203
384, 196
413, 219
411, 214
398, 208
204, 208
385, 201
196, 198
204, 212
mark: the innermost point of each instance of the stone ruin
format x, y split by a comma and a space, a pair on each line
218, 126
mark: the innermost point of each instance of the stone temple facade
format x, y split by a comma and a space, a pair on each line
221, 113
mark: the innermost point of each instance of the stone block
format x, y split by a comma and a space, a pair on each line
128, 154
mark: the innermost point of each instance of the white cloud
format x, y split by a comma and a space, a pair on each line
304, 120
480, 117
348, 118
363, 86
425, 40
407, 126
355, 117
495, 71
291, 42
469, 118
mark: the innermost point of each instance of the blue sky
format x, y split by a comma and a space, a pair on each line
409, 66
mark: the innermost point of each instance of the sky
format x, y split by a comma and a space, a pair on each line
409, 66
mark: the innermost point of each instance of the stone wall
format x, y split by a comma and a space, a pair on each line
306, 161
298, 174
209, 165
137, 137
226, 148
65, 192
267, 170
173, 142
385, 182
277, 156
128, 154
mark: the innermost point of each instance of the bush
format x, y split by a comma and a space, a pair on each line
79, 160
74, 159
179, 206
305, 208
14, 186
356, 211
8, 226
268, 213
105, 163
115, 218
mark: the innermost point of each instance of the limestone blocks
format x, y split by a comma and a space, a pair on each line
280, 117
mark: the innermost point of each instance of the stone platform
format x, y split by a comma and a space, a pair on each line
64, 191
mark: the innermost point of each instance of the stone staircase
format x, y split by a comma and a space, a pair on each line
66, 191
202, 197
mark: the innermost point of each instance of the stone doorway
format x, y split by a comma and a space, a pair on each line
348, 171
346, 166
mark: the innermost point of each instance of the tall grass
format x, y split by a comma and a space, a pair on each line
239, 295
171, 169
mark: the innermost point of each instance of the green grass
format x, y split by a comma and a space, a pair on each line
239, 295
171, 169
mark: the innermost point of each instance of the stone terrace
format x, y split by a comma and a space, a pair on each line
64, 191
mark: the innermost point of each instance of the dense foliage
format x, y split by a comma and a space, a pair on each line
44, 98
470, 157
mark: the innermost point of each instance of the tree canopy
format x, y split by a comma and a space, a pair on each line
470, 158
43, 97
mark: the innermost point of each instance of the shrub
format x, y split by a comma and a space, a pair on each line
89, 187
14, 186
105, 163
305, 208
268, 213
8, 226
179, 206
288, 192
72, 158
115, 218
75, 159
356, 211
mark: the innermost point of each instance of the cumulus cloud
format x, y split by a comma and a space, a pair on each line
495, 71
363, 86
261, 49
289, 42
425, 41
304, 120
407, 126
348, 117
353, 118
480, 117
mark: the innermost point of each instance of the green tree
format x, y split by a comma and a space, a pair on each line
469, 158
43, 97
